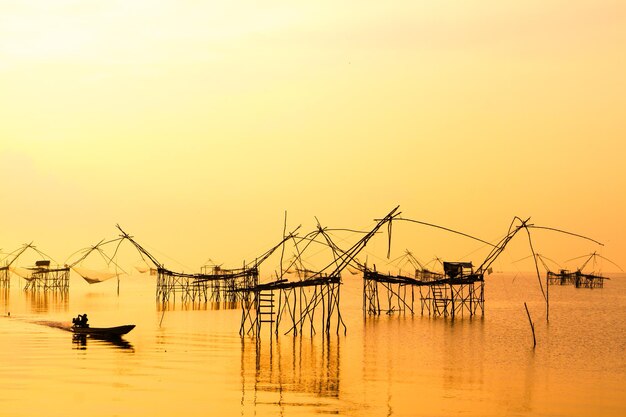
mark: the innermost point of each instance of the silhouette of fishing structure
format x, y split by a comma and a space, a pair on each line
313, 297
578, 278
43, 276
300, 298
6, 268
93, 276
459, 290
221, 285
394, 288
5, 277
212, 284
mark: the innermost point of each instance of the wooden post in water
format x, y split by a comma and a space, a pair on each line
547, 300
532, 326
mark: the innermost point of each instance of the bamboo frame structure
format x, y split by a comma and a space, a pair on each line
223, 284
218, 285
563, 277
44, 278
92, 276
440, 295
576, 278
462, 288
455, 294
579, 278
213, 284
393, 290
5, 272
316, 294
296, 304
41, 276
5, 277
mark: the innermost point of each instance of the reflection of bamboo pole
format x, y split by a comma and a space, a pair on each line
532, 326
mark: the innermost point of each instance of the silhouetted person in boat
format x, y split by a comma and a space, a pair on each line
80, 321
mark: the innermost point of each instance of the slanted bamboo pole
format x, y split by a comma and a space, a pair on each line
532, 326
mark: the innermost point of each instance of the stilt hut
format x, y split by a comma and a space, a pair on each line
459, 290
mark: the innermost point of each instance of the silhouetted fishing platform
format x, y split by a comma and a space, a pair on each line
44, 277
214, 284
578, 278
575, 278
294, 304
457, 291
314, 297
296, 299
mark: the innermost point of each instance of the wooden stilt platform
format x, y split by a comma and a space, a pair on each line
217, 285
575, 278
45, 278
297, 306
458, 291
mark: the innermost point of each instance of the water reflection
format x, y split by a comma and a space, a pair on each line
463, 344
47, 301
79, 341
197, 305
529, 384
272, 370
4, 298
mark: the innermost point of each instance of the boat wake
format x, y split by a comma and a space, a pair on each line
55, 324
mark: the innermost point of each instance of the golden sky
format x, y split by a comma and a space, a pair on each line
197, 124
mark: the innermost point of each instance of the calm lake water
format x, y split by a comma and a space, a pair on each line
191, 360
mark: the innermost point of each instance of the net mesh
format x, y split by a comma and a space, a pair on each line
92, 276
25, 273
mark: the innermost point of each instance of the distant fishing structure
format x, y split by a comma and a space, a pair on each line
212, 284
459, 290
578, 278
43, 276
299, 298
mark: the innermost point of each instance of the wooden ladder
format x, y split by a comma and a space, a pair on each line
265, 311
440, 304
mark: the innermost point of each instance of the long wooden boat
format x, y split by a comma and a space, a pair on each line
103, 331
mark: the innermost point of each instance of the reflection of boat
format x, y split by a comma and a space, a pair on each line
103, 332
80, 340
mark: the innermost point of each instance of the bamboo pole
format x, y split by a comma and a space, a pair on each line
532, 326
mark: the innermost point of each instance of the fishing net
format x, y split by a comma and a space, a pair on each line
94, 277
25, 273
